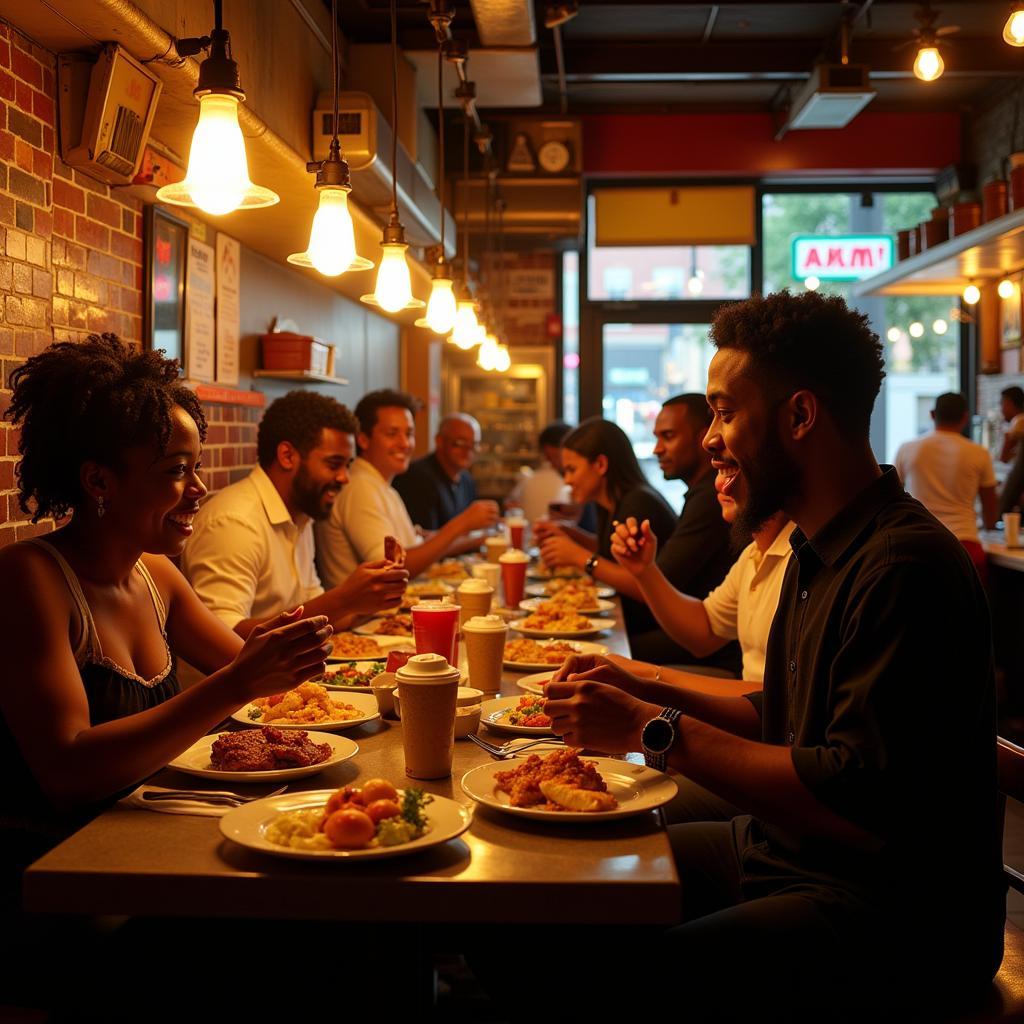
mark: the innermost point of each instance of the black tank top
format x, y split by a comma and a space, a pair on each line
28, 824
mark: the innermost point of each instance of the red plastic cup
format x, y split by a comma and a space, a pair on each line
397, 658
516, 529
435, 629
513, 580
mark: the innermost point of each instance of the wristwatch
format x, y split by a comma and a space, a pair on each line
657, 738
591, 565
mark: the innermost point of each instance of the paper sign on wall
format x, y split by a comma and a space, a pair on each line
199, 295
228, 308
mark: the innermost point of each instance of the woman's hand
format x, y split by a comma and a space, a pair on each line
634, 546
586, 713
623, 673
281, 653
559, 549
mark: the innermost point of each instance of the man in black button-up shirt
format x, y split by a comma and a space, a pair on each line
868, 763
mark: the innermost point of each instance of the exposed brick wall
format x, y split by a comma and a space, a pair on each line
71, 264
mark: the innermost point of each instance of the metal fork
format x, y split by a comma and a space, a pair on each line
511, 749
209, 796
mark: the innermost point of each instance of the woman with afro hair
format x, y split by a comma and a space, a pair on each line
92, 616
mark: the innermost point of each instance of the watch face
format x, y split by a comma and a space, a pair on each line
658, 735
554, 157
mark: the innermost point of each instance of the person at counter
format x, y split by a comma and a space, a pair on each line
827, 884
1011, 404
948, 474
369, 508
93, 615
439, 486
251, 554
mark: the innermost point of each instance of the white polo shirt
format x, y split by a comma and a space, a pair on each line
247, 558
367, 510
743, 605
944, 471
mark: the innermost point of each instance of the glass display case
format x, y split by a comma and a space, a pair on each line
512, 409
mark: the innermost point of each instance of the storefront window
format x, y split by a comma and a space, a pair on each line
571, 337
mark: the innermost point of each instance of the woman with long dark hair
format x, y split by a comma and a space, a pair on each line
599, 464
93, 614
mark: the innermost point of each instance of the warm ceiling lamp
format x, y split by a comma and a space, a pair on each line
394, 283
916, 329
1013, 30
217, 179
332, 240
928, 64
1005, 288
441, 307
502, 359
940, 326
972, 294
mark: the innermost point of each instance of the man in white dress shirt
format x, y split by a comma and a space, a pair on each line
250, 556
369, 508
948, 474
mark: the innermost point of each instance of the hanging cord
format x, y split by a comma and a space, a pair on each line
465, 193
337, 64
440, 136
394, 108
499, 202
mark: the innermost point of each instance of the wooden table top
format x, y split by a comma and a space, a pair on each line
503, 869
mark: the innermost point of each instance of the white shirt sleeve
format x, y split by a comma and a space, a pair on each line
722, 604
364, 518
222, 561
988, 472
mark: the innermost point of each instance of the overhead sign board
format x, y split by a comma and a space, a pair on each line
841, 257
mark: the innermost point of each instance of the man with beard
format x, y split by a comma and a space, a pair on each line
824, 894
251, 553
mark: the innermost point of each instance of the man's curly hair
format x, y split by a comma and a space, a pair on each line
88, 401
298, 418
808, 341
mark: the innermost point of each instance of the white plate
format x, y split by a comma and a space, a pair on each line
594, 627
359, 666
384, 643
542, 572
370, 629
637, 788
534, 683
531, 604
582, 647
537, 590
492, 714
246, 825
365, 702
196, 761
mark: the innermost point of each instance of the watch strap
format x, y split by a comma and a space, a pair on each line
591, 565
659, 759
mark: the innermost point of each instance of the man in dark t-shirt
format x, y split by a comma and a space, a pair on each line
439, 486
869, 853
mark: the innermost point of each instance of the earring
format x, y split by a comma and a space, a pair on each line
100, 510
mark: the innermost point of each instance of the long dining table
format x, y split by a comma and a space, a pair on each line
504, 868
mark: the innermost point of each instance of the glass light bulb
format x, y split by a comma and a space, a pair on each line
487, 357
972, 293
893, 334
218, 172
940, 326
916, 329
464, 333
394, 285
812, 284
695, 285
502, 359
928, 64
332, 240
1005, 288
1013, 30
441, 306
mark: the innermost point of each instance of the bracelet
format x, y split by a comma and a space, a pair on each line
657, 673
591, 565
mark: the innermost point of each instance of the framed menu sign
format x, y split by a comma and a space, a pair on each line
165, 254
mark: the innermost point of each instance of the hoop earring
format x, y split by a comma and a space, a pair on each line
100, 510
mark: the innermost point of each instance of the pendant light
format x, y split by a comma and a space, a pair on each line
441, 308
217, 180
394, 284
332, 240
1013, 30
466, 333
928, 64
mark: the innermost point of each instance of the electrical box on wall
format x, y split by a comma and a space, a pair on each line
106, 111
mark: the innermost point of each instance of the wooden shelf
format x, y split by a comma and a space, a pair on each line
305, 376
989, 251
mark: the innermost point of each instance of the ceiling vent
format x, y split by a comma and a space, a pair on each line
106, 111
832, 97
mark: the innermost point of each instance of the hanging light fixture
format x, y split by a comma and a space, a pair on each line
972, 294
441, 308
695, 283
466, 333
394, 284
332, 240
928, 64
1013, 30
1005, 289
217, 180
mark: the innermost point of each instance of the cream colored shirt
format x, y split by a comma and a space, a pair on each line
247, 558
743, 605
367, 510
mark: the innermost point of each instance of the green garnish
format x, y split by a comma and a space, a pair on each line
413, 802
255, 713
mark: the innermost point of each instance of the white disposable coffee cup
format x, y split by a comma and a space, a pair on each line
490, 572
428, 687
495, 547
1011, 529
474, 597
484, 637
